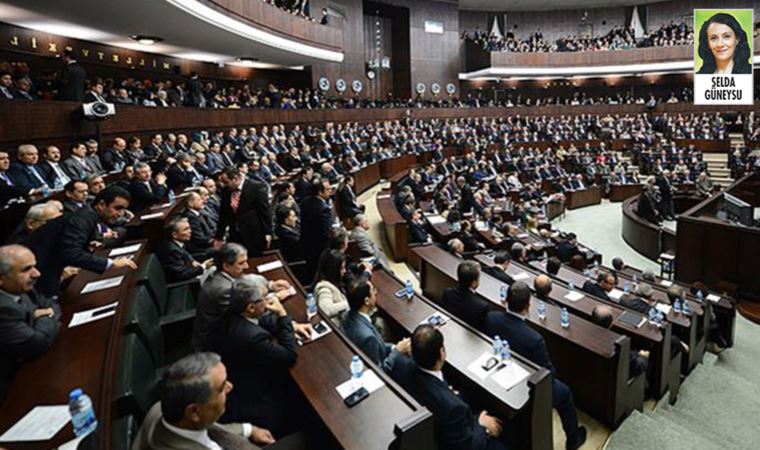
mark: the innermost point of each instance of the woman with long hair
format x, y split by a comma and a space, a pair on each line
723, 46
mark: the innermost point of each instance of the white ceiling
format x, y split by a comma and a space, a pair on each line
187, 32
545, 5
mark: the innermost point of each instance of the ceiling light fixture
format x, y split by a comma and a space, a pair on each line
146, 40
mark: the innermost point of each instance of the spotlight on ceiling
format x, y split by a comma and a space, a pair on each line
146, 40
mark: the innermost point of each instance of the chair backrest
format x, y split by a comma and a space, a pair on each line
152, 277
135, 387
123, 430
142, 319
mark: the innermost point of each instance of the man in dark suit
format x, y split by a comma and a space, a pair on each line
454, 424
462, 301
8, 188
145, 191
316, 214
52, 168
568, 248
245, 211
347, 199
639, 359
501, 262
195, 91
525, 341
605, 283
202, 238
28, 322
25, 173
76, 165
76, 196
256, 338
183, 174
72, 79
358, 326
177, 262
193, 396
115, 158
543, 285
68, 240
418, 233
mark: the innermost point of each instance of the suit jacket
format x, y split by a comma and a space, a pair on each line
368, 247
316, 213
112, 157
466, 305
22, 176
154, 435
65, 241
9, 191
177, 262
75, 169
257, 365
202, 234
364, 334
522, 339
70, 206
635, 303
72, 82
289, 243
348, 206
142, 197
213, 301
417, 232
566, 250
21, 336
596, 290
179, 177
253, 219
499, 274
194, 92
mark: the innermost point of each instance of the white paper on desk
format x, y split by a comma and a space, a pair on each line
436, 219
476, 366
713, 298
510, 376
380, 197
523, 235
269, 266
521, 276
665, 309
152, 216
316, 334
39, 424
99, 285
480, 225
615, 294
161, 206
666, 283
91, 315
574, 296
72, 444
124, 250
369, 381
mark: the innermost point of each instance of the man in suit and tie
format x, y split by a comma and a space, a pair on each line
52, 168
145, 191
418, 233
29, 323
193, 398
8, 188
25, 173
7, 91
358, 326
316, 215
462, 301
177, 262
95, 94
202, 237
568, 248
115, 158
639, 359
195, 91
72, 79
68, 240
257, 340
245, 211
605, 283
183, 174
501, 262
76, 165
347, 199
367, 247
525, 341
76, 193
454, 425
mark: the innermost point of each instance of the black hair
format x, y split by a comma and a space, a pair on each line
741, 53
357, 292
111, 193
519, 297
427, 343
329, 266
467, 273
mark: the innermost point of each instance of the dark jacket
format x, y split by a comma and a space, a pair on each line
523, 339
142, 197
595, 290
202, 235
177, 262
253, 219
72, 83
499, 274
364, 334
466, 305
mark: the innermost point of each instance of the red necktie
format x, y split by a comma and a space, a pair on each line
235, 201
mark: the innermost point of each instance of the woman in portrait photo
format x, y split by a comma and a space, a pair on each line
723, 46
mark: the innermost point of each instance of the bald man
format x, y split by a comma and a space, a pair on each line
542, 284
602, 316
29, 323
37, 216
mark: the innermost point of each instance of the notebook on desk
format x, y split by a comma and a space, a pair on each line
632, 319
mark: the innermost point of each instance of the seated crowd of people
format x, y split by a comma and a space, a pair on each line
618, 38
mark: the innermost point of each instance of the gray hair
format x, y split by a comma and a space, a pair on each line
173, 225
36, 212
141, 165
644, 290
186, 382
26, 148
182, 157
8, 254
248, 289
228, 254
648, 275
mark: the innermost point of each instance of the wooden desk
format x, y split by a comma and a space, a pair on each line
666, 369
582, 348
82, 357
153, 229
620, 192
531, 423
583, 197
323, 364
366, 177
396, 231
392, 166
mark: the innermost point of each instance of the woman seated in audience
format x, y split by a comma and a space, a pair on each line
329, 288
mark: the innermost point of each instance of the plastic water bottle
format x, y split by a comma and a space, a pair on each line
172, 197
652, 315
564, 318
357, 369
542, 310
506, 353
685, 308
587, 275
699, 296
503, 292
497, 345
409, 290
311, 305
627, 287
58, 184
660, 317
635, 280
596, 266
82, 415
45, 190
677, 306
571, 287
